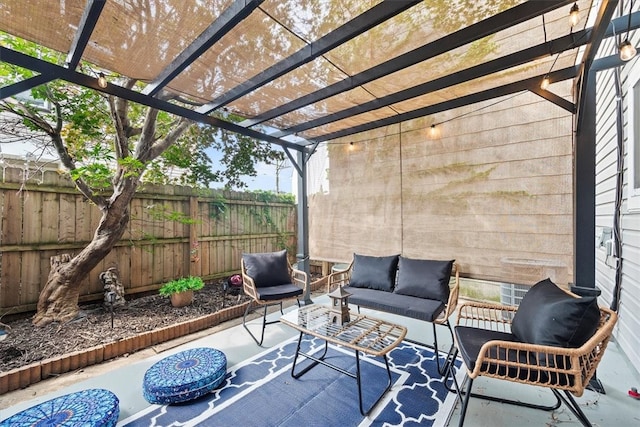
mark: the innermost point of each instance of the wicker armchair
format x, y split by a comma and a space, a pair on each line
488, 348
268, 279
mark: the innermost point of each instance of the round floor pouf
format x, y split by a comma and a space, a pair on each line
92, 407
184, 376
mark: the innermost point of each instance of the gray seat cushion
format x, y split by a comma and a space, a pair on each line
274, 293
403, 305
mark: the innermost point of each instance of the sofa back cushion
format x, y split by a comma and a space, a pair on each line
424, 278
268, 268
374, 272
549, 316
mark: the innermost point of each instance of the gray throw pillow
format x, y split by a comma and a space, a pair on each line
268, 268
374, 272
549, 316
424, 278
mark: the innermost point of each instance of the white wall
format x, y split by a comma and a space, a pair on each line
606, 166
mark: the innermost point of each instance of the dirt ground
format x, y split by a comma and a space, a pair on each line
27, 344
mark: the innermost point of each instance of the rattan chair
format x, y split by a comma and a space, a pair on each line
488, 348
268, 279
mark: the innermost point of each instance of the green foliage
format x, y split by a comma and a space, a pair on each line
160, 212
98, 176
190, 283
133, 167
218, 208
272, 197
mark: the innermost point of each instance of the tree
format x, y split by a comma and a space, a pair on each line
108, 145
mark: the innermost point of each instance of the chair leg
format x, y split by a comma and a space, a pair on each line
444, 369
573, 406
250, 308
465, 401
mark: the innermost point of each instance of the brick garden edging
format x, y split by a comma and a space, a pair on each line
22, 377
38, 371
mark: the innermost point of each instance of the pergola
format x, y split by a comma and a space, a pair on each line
306, 72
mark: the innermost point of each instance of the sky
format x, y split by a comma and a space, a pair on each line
266, 178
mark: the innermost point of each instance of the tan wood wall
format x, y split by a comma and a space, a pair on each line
493, 191
49, 218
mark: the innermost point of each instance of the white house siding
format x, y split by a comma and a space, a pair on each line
606, 153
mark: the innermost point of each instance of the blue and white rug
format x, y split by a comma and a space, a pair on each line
261, 392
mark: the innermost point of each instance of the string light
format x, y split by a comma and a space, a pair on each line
545, 82
352, 146
626, 49
434, 131
574, 15
102, 80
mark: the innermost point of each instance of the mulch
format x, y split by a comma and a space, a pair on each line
26, 344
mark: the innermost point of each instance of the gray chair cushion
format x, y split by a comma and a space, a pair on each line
268, 268
274, 293
403, 305
374, 272
424, 278
549, 316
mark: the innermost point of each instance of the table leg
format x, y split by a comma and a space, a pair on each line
308, 356
358, 380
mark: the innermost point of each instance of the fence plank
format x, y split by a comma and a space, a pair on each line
53, 219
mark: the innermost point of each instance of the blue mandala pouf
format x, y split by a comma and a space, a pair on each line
184, 376
92, 407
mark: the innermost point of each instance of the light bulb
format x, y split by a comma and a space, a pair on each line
102, 80
545, 83
434, 131
574, 15
627, 50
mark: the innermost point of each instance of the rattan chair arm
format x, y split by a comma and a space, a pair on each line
299, 278
339, 278
496, 317
249, 286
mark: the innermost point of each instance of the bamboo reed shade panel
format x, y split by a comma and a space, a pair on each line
493, 192
141, 39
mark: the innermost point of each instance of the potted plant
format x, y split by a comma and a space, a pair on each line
180, 291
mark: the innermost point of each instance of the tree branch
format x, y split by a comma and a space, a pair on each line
161, 145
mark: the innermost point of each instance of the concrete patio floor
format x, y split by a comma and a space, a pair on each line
124, 377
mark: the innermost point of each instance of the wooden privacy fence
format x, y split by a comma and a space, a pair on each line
174, 232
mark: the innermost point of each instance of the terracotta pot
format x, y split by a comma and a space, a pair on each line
181, 299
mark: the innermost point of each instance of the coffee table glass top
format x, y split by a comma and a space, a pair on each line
363, 333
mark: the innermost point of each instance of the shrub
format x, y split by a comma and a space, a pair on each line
181, 285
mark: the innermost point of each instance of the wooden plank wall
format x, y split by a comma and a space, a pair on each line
43, 219
493, 191
626, 330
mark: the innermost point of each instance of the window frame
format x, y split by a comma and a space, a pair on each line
633, 139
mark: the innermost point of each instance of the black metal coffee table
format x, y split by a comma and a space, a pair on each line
364, 334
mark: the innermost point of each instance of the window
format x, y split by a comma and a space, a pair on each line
633, 140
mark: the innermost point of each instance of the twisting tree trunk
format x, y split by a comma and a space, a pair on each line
58, 301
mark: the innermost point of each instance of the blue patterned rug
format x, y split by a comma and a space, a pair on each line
261, 392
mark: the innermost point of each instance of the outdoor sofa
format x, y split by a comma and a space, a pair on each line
421, 289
